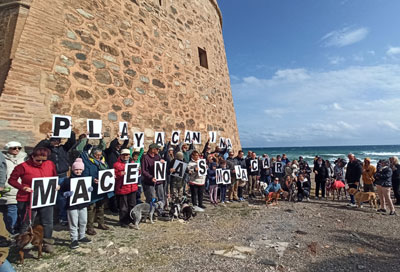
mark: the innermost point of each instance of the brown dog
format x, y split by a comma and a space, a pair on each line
272, 198
34, 236
364, 197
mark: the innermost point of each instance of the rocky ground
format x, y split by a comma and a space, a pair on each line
308, 236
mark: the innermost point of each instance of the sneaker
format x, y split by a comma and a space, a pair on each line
351, 205
202, 206
198, 209
103, 227
74, 244
228, 201
85, 240
392, 213
381, 210
308, 199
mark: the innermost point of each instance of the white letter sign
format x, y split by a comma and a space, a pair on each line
175, 137
212, 136
279, 167
123, 130
218, 176
138, 140
80, 187
61, 126
94, 127
196, 137
44, 192
238, 171
244, 175
160, 170
106, 181
202, 167
188, 137
180, 168
266, 163
131, 173
254, 165
159, 138
226, 176
222, 142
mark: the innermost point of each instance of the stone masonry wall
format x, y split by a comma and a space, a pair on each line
119, 60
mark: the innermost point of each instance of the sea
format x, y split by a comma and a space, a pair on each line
331, 153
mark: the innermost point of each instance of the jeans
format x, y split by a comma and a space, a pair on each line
77, 220
223, 192
45, 214
240, 191
156, 191
352, 199
61, 203
6, 267
10, 215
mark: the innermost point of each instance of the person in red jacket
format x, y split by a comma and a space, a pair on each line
36, 167
126, 194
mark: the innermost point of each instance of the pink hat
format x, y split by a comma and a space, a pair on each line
78, 164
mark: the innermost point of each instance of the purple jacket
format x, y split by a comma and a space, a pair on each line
147, 166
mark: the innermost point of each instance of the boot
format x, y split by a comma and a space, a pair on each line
48, 245
103, 227
91, 231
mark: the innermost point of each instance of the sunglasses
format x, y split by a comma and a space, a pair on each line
15, 148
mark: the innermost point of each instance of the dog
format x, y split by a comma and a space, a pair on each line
34, 236
333, 186
175, 211
292, 192
146, 209
362, 197
272, 198
262, 187
187, 212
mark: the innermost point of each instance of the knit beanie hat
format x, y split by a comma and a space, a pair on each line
78, 165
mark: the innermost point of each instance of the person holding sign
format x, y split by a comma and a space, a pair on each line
177, 168
151, 187
126, 194
254, 174
93, 164
38, 166
196, 182
223, 187
113, 151
60, 157
213, 186
233, 187
77, 214
241, 161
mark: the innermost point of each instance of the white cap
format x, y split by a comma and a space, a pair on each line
12, 144
125, 152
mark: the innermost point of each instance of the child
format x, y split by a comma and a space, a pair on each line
222, 187
77, 214
213, 187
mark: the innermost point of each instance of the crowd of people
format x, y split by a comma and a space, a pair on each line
80, 157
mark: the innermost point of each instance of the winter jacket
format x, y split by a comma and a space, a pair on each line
27, 171
120, 188
147, 167
92, 168
272, 188
305, 185
187, 153
338, 173
241, 162
354, 171
396, 172
112, 153
59, 154
211, 175
66, 187
253, 173
194, 178
368, 173
12, 161
384, 177
230, 164
322, 172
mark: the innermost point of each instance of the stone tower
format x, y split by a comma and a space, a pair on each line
160, 65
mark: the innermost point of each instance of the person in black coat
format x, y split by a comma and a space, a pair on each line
395, 166
353, 175
321, 174
60, 157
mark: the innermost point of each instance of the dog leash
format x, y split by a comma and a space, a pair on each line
28, 211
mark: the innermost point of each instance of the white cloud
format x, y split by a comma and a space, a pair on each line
354, 105
336, 60
393, 51
389, 124
344, 37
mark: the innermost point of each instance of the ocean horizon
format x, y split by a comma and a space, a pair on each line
331, 153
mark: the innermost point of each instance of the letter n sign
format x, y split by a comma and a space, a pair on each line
44, 192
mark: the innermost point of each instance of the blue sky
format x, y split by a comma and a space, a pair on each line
308, 73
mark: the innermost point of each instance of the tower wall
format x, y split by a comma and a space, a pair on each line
115, 60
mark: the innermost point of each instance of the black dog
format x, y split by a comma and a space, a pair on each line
188, 212
175, 211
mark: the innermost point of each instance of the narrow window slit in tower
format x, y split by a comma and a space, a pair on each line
203, 58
